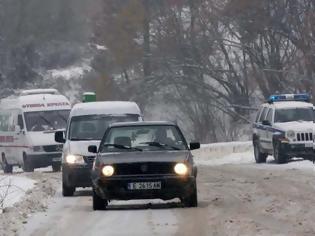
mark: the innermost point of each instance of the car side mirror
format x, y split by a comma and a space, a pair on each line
266, 122
59, 137
194, 146
92, 149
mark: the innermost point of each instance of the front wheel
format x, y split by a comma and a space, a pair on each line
192, 199
280, 157
27, 164
7, 169
67, 191
98, 202
259, 156
56, 167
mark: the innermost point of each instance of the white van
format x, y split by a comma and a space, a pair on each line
87, 125
27, 126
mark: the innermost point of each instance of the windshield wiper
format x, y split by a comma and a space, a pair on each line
119, 146
162, 145
47, 121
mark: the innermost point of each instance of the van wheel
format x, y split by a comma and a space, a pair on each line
67, 191
56, 167
7, 169
98, 202
27, 165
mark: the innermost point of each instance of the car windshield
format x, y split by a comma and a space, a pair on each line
143, 138
46, 120
294, 114
92, 127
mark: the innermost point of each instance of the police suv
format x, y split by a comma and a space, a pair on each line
284, 128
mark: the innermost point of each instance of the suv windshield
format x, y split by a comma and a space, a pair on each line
143, 138
92, 127
46, 120
293, 114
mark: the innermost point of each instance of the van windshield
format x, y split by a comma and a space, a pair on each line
46, 120
93, 127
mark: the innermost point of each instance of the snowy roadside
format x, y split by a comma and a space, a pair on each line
39, 188
12, 189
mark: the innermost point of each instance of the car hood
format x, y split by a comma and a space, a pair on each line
81, 147
153, 156
296, 126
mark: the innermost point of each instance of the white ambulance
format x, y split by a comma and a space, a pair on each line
27, 127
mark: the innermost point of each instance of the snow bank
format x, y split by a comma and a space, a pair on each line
12, 189
219, 150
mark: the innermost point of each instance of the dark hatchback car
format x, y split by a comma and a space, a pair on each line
144, 160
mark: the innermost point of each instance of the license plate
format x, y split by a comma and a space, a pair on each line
56, 159
308, 145
144, 185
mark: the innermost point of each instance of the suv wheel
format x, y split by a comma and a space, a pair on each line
280, 157
259, 156
98, 202
27, 165
192, 200
67, 191
5, 166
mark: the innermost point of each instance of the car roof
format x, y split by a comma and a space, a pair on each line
289, 104
142, 123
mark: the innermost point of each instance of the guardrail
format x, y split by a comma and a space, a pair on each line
217, 150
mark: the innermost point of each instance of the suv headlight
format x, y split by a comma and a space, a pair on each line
291, 134
74, 159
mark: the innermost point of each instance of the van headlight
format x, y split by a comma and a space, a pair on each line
291, 134
108, 170
74, 159
38, 149
181, 169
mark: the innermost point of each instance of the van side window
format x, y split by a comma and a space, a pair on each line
263, 114
20, 121
269, 116
4, 122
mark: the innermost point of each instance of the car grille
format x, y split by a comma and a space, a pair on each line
53, 148
147, 168
304, 136
89, 159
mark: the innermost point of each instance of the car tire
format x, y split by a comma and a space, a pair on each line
98, 202
279, 157
192, 199
7, 169
67, 191
27, 165
56, 167
259, 156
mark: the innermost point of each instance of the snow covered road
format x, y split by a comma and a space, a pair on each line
236, 197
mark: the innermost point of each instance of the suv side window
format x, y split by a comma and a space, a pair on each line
263, 114
269, 115
258, 114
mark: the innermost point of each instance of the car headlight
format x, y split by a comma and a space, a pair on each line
108, 170
38, 149
181, 169
291, 134
75, 159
